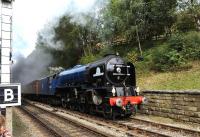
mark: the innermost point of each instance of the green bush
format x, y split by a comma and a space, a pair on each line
167, 58
87, 59
169, 61
192, 45
187, 44
176, 42
180, 48
131, 56
106, 50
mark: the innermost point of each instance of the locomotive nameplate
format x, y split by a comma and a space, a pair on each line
10, 95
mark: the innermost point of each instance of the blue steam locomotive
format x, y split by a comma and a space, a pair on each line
107, 86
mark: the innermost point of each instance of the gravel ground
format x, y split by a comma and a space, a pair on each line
24, 126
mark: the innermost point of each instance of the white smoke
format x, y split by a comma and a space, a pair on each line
31, 68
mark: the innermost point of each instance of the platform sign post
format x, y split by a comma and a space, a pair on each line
7, 90
6, 40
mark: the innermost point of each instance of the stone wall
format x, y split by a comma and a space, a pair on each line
178, 105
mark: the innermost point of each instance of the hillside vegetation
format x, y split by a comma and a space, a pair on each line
185, 79
163, 44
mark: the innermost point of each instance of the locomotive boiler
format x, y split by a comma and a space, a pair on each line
107, 86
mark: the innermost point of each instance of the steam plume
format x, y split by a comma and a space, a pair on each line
31, 68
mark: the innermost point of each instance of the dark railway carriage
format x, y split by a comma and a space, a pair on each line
32, 88
107, 86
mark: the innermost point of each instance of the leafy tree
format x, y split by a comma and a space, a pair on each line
75, 37
149, 17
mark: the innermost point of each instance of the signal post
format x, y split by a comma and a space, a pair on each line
10, 94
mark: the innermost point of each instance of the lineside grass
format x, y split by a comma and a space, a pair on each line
181, 80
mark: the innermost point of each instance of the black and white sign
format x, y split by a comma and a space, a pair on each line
10, 95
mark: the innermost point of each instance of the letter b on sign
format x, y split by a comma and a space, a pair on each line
8, 95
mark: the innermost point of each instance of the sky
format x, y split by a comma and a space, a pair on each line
30, 16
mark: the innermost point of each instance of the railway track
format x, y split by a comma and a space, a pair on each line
157, 129
60, 126
132, 126
180, 130
41, 122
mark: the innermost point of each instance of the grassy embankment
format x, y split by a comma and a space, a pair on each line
148, 79
179, 80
